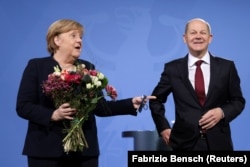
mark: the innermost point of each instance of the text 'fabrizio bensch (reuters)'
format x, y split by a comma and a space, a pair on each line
185, 159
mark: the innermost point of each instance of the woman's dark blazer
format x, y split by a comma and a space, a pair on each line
44, 137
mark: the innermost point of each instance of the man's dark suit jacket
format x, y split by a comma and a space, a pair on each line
224, 92
44, 137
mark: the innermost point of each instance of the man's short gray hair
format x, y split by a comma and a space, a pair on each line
199, 19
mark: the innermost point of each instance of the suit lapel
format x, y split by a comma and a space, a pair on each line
214, 74
183, 68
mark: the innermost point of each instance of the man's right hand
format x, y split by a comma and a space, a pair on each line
166, 135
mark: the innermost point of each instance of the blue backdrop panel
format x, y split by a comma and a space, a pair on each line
129, 41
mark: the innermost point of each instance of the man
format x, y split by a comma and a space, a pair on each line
202, 119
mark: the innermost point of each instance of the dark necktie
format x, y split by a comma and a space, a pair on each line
199, 83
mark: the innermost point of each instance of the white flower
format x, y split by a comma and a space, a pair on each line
57, 71
83, 66
100, 75
94, 79
88, 86
98, 83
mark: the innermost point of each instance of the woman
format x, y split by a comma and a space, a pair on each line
43, 143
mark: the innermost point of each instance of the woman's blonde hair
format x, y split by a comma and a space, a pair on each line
59, 27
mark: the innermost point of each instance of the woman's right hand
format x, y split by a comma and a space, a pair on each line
63, 112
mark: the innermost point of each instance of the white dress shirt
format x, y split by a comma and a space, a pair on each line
205, 67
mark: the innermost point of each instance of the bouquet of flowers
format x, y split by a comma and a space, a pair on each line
82, 89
